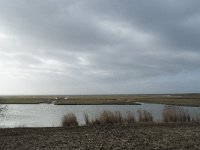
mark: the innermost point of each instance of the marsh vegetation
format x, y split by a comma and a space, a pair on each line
107, 117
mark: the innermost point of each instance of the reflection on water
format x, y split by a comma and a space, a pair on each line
48, 115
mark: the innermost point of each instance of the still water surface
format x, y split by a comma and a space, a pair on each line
49, 115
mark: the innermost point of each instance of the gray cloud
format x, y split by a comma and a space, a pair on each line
99, 46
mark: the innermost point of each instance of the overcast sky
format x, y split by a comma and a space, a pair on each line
99, 46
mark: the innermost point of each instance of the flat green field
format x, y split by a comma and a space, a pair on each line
172, 99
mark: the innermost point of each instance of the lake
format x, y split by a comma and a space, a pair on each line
49, 115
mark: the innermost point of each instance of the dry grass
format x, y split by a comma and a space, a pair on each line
91, 122
175, 114
69, 120
110, 117
144, 116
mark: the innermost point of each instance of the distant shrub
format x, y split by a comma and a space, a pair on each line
69, 120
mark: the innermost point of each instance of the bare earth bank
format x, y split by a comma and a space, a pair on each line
144, 136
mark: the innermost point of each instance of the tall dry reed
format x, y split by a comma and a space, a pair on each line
86, 118
108, 117
129, 118
144, 116
175, 114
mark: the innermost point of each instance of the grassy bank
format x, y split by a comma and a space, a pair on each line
173, 99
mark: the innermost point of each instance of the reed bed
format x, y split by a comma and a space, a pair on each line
105, 117
108, 117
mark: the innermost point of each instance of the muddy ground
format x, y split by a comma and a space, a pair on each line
138, 136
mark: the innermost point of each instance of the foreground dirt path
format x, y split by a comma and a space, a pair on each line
143, 136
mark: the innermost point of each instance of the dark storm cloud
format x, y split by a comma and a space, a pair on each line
103, 46
176, 23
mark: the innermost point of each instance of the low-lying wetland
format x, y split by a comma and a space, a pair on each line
170, 99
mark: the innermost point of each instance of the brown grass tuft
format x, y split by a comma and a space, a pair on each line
69, 120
